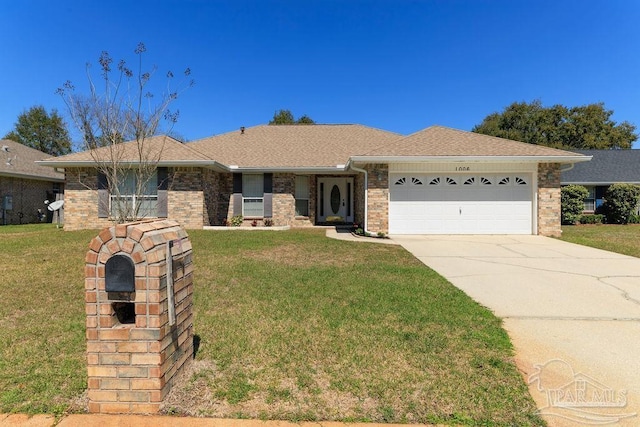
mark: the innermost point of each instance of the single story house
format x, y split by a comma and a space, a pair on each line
25, 185
605, 168
435, 181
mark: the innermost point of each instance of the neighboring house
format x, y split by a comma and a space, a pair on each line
605, 168
436, 181
25, 185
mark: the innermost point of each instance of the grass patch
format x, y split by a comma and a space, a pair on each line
42, 343
623, 239
292, 326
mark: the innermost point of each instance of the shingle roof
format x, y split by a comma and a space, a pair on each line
440, 141
324, 146
606, 167
293, 146
169, 149
19, 160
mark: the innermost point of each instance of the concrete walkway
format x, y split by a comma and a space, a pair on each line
572, 312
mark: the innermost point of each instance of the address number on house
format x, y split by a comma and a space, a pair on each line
462, 169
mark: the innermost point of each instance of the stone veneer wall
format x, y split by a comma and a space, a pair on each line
131, 367
81, 200
358, 199
378, 198
28, 196
284, 202
186, 198
211, 190
549, 203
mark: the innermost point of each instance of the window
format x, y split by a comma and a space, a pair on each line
401, 181
590, 201
470, 181
302, 195
252, 195
416, 181
129, 204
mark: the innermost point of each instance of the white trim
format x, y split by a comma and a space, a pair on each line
480, 159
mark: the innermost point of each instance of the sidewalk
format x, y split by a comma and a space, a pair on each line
82, 420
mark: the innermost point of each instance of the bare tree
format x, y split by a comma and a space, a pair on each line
118, 121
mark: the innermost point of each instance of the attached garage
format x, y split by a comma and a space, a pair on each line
461, 203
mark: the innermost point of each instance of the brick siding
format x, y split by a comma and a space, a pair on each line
28, 196
131, 367
549, 204
186, 198
378, 197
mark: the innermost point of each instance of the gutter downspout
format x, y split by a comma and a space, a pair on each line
366, 192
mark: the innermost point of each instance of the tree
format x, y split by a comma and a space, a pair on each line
572, 203
38, 129
118, 121
584, 127
285, 117
621, 202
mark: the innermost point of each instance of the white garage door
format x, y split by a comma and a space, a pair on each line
460, 204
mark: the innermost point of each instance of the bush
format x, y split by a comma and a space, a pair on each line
591, 219
621, 202
634, 219
237, 220
572, 201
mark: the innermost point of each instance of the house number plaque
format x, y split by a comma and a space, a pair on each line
462, 169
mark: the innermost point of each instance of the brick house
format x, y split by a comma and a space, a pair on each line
25, 185
436, 181
605, 168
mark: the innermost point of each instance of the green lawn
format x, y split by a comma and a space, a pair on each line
624, 239
292, 325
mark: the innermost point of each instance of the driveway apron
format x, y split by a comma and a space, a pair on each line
572, 312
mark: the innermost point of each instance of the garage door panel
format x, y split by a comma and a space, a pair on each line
480, 208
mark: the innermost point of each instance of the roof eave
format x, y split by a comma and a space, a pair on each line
288, 169
93, 163
596, 182
33, 177
477, 159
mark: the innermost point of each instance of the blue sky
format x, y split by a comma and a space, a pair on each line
397, 65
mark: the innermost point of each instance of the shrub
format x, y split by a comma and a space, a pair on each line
572, 200
236, 221
621, 201
268, 222
634, 219
591, 219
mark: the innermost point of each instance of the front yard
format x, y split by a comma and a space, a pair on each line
292, 325
623, 239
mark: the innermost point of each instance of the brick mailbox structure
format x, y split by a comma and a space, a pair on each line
138, 295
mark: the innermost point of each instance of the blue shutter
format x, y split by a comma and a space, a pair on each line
163, 193
237, 194
268, 195
103, 196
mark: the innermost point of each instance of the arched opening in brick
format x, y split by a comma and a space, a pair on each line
125, 312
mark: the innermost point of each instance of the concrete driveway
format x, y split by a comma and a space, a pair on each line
572, 312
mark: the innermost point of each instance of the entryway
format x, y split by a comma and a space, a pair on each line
335, 200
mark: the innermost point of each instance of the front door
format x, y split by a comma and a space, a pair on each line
335, 199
